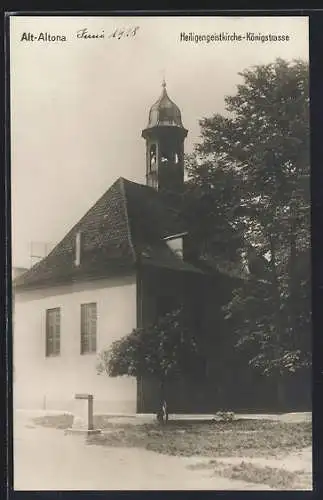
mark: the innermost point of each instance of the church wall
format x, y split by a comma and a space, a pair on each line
51, 382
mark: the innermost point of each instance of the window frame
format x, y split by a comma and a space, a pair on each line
88, 338
53, 339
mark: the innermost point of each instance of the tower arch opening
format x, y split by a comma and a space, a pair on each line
165, 136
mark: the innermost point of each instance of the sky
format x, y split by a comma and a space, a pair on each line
78, 107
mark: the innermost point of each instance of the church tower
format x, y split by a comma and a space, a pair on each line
165, 137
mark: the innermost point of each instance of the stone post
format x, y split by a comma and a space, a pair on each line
83, 418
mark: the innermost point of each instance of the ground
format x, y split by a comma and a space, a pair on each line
119, 458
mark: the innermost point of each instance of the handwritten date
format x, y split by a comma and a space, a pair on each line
118, 33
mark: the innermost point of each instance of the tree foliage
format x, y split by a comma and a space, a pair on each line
164, 350
249, 177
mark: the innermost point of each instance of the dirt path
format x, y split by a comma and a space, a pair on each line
46, 459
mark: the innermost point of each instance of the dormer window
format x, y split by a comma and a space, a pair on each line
175, 243
78, 248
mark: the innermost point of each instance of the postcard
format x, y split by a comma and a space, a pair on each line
160, 205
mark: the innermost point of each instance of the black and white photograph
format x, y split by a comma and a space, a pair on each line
161, 252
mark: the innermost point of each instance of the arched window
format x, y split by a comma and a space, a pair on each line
152, 156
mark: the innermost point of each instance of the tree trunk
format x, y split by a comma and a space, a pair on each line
293, 313
162, 412
279, 327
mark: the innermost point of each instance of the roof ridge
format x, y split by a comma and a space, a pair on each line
125, 205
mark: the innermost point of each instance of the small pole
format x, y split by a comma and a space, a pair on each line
90, 412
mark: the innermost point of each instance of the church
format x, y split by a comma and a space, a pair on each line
130, 258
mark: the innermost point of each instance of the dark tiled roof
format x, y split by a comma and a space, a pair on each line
128, 222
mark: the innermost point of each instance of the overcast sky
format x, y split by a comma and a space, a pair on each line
78, 107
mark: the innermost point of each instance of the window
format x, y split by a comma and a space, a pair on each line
175, 243
53, 332
164, 159
88, 328
153, 156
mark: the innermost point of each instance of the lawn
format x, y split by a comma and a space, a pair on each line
241, 439
212, 439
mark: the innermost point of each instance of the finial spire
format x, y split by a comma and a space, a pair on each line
164, 80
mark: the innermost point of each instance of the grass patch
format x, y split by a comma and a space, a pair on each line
238, 438
274, 477
63, 421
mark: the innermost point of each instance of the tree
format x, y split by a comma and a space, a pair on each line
250, 173
164, 350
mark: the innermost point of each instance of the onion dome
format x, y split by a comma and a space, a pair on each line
164, 112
